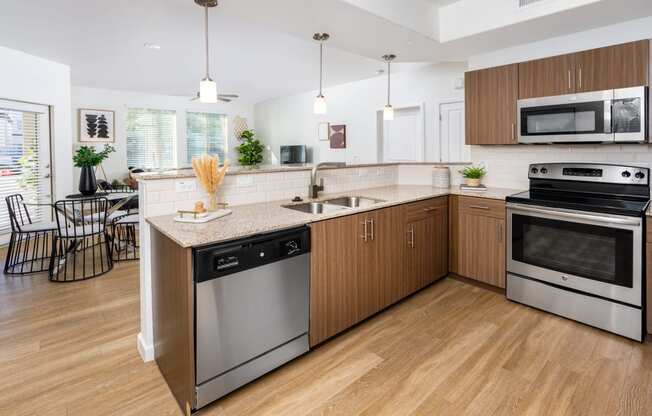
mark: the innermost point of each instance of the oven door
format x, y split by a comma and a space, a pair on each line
629, 114
598, 254
582, 117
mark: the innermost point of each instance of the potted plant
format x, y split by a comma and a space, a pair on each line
87, 158
473, 175
250, 150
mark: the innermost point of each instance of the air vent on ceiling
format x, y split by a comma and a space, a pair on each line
526, 3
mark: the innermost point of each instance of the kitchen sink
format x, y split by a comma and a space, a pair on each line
334, 205
354, 201
316, 208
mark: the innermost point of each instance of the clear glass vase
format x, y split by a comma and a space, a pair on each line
212, 202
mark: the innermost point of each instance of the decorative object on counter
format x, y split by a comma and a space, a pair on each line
87, 158
337, 136
96, 126
473, 175
250, 150
388, 112
441, 177
323, 130
210, 176
191, 217
320, 106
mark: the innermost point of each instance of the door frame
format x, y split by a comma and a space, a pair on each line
380, 130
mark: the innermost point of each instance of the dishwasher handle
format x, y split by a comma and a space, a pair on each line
220, 260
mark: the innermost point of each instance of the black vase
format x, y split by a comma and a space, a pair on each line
87, 182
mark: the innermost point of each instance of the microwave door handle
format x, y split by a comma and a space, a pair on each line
608, 119
573, 215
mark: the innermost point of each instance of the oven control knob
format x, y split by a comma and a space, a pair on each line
534, 171
544, 170
626, 174
640, 175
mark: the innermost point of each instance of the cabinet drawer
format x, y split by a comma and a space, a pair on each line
423, 209
482, 206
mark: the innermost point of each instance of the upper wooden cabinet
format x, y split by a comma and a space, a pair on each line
612, 67
490, 101
545, 77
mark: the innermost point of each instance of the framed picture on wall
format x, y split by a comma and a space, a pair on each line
337, 136
96, 126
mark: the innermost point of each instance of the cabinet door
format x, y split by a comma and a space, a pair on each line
546, 77
333, 277
491, 96
416, 261
437, 245
482, 248
619, 66
370, 283
387, 266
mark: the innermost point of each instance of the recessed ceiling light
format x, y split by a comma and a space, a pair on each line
152, 46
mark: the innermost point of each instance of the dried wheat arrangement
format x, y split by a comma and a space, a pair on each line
210, 176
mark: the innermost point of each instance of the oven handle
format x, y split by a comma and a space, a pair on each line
572, 215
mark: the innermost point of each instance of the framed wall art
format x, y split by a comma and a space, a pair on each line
337, 136
96, 126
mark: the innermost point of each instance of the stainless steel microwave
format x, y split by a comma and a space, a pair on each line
611, 116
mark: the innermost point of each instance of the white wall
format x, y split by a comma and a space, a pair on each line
31, 79
290, 120
121, 101
507, 165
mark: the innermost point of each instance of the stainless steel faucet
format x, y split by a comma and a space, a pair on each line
314, 188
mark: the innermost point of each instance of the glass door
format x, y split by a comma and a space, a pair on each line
24, 159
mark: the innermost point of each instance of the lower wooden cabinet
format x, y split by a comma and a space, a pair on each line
362, 263
479, 238
648, 256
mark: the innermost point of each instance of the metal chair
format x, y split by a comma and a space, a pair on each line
30, 243
83, 248
124, 238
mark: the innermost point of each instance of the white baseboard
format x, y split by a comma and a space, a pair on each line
145, 350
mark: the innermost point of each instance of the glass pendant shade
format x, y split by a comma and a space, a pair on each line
320, 106
208, 91
388, 113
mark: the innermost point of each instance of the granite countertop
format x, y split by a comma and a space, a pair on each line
247, 220
242, 170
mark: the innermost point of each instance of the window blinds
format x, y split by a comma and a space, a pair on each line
151, 138
23, 169
206, 133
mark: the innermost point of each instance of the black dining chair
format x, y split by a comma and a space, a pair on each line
30, 243
83, 250
124, 238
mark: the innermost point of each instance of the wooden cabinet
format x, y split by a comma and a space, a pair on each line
545, 77
612, 67
648, 256
480, 240
360, 264
490, 102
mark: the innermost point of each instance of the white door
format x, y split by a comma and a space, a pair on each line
403, 136
24, 159
451, 133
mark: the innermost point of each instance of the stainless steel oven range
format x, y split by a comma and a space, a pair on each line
575, 244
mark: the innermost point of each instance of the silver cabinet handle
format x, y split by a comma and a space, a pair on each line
429, 209
513, 132
365, 236
580, 80
410, 232
500, 232
479, 207
373, 236
569, 80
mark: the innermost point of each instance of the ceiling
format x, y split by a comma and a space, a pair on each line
260, 48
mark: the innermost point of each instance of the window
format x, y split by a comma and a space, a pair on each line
151, 138
206, 133
24, 158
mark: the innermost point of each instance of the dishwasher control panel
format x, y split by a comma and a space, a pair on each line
232, 257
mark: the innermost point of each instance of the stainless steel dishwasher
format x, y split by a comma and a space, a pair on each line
251, 309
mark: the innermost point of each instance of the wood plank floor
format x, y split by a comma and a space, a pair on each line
452, 349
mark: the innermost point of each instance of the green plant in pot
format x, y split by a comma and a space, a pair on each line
87, 158
473, 175
250, 150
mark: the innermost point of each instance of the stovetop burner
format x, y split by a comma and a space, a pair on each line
608, 189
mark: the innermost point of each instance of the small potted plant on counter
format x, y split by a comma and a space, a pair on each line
87, 158
473, 175
250, 150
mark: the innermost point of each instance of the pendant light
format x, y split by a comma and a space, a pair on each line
207, 87
320, 106
388, 112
